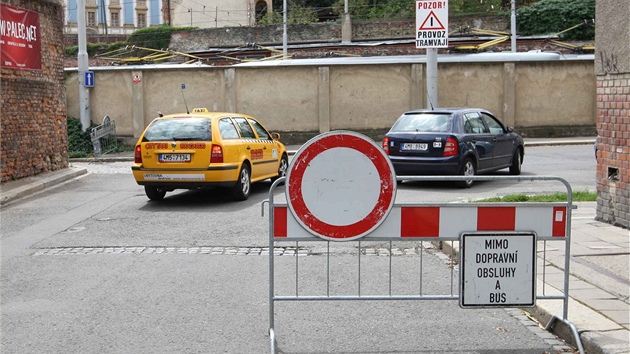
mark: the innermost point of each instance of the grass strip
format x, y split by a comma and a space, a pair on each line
578, 196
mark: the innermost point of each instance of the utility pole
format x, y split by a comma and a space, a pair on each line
83, 66
104, 19
513, 26
168, 15
284, 29
432, 78
346, 25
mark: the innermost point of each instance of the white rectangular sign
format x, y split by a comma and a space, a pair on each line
498, 269
431, 24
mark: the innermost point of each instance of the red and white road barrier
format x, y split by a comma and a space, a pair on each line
451, 220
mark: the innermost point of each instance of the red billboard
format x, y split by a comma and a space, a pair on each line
20, 44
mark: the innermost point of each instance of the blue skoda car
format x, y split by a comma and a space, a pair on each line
452, 141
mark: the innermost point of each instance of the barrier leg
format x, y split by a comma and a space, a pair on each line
576, 335
272, 339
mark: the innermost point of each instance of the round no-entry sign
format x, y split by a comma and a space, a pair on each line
340, 186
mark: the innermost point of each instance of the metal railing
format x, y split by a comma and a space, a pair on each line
104, 137
557, 230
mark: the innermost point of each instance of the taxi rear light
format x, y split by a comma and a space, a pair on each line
450, 147
386, 145
216, 155
137, 156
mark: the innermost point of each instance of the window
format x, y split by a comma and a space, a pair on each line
262, 133
142, 20
473, 124
91, 22
424, 122
179, 129
493, 124
115, 19
227, 129
246, 130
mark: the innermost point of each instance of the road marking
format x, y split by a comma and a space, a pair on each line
225, 251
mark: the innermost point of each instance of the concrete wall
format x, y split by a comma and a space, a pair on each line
304, 98
612, 66
34, 135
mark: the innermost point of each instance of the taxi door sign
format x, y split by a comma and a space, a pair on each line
498, 269
431, 24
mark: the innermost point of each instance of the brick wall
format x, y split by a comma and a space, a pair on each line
613, 149
34, 136
612, 67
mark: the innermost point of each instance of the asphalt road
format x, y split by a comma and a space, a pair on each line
92, 266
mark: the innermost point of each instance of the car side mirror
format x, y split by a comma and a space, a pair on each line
510, 129
275, 136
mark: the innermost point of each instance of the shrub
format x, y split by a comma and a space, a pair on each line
553, 16
150, 37
79, 142
154, 37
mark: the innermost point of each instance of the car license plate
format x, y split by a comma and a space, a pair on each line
174, 158
414, 146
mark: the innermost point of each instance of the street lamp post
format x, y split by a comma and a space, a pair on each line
83, 66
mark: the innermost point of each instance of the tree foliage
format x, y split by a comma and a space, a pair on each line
553, 16
79, 142
297, 12
150, 37
154, 37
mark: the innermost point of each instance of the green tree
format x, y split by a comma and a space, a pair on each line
297, 12
553, 16
154, 37
462, 7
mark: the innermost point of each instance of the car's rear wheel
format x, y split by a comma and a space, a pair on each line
154, 193
241, 189
468, 169
282, 168
517, 161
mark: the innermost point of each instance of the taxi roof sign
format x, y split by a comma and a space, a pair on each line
431, 24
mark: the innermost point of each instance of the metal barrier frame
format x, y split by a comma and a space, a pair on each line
542, 295
104, 138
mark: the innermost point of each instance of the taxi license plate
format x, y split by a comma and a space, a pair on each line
174, 157
414, 146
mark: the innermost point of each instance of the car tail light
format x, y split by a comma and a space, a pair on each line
386, 145
137, 156
216, 154
450, 147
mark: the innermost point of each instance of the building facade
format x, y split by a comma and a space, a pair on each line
114, 16
122, 17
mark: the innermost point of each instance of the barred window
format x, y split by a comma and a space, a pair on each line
115, 19
91, 19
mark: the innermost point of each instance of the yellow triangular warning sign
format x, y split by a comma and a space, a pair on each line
432, 22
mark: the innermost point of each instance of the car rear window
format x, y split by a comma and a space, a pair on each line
424, 122
179, 129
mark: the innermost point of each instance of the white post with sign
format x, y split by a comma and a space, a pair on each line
498, 270
431, 24
432, 33
83, 66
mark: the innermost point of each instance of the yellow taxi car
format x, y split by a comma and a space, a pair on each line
205, 149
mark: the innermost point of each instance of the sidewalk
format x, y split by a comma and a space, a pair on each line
599, 285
